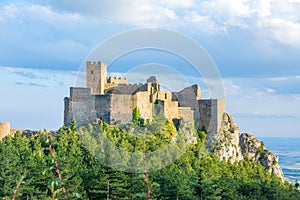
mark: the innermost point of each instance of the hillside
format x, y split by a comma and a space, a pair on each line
74, 164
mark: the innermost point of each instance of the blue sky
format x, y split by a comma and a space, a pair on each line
255, 45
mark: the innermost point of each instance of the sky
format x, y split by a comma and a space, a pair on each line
255, 45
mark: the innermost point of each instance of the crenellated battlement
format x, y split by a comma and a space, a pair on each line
95, 64
117, 80
136, 84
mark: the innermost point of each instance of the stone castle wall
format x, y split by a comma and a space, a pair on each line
4, 129
117, 80
186, 114
142, 101
169, 108
211, 114
81, 106
66, 109
163, 95
188, 97
120, 108
102, 107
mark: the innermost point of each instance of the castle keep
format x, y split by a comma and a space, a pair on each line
113, 100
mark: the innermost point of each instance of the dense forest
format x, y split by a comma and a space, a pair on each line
78, 164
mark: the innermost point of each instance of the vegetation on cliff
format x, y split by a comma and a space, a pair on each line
44, 166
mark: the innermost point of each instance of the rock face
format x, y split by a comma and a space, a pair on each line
232, 146
225, 144
255, 149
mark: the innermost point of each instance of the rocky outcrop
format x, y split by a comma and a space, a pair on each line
232, 146
225, 144
254, 149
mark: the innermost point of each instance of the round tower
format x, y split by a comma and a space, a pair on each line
4, 129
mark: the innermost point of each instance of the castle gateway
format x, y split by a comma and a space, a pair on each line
113, 100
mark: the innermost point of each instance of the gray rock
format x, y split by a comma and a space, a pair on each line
228, 144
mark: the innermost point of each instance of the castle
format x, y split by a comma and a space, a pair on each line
113, 100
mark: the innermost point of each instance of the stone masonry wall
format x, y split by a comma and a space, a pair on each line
127, 89
66, 109
142, 101
188, 97
81, 106
96, 77
120, 108
102, 107
211, 114
186, 114
4, 129
171, 110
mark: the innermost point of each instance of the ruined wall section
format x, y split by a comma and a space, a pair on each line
188, 97
211, 114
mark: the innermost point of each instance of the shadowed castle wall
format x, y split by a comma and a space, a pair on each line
127, 89
211, 114
102, 107
120, 108
81, 106
188, 97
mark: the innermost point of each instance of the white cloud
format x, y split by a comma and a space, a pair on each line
285, 32
203, 23
229, 8
8, 12
46, 14
275, 18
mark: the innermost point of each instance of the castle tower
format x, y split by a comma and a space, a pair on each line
96, 77
154, 83
4, 129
